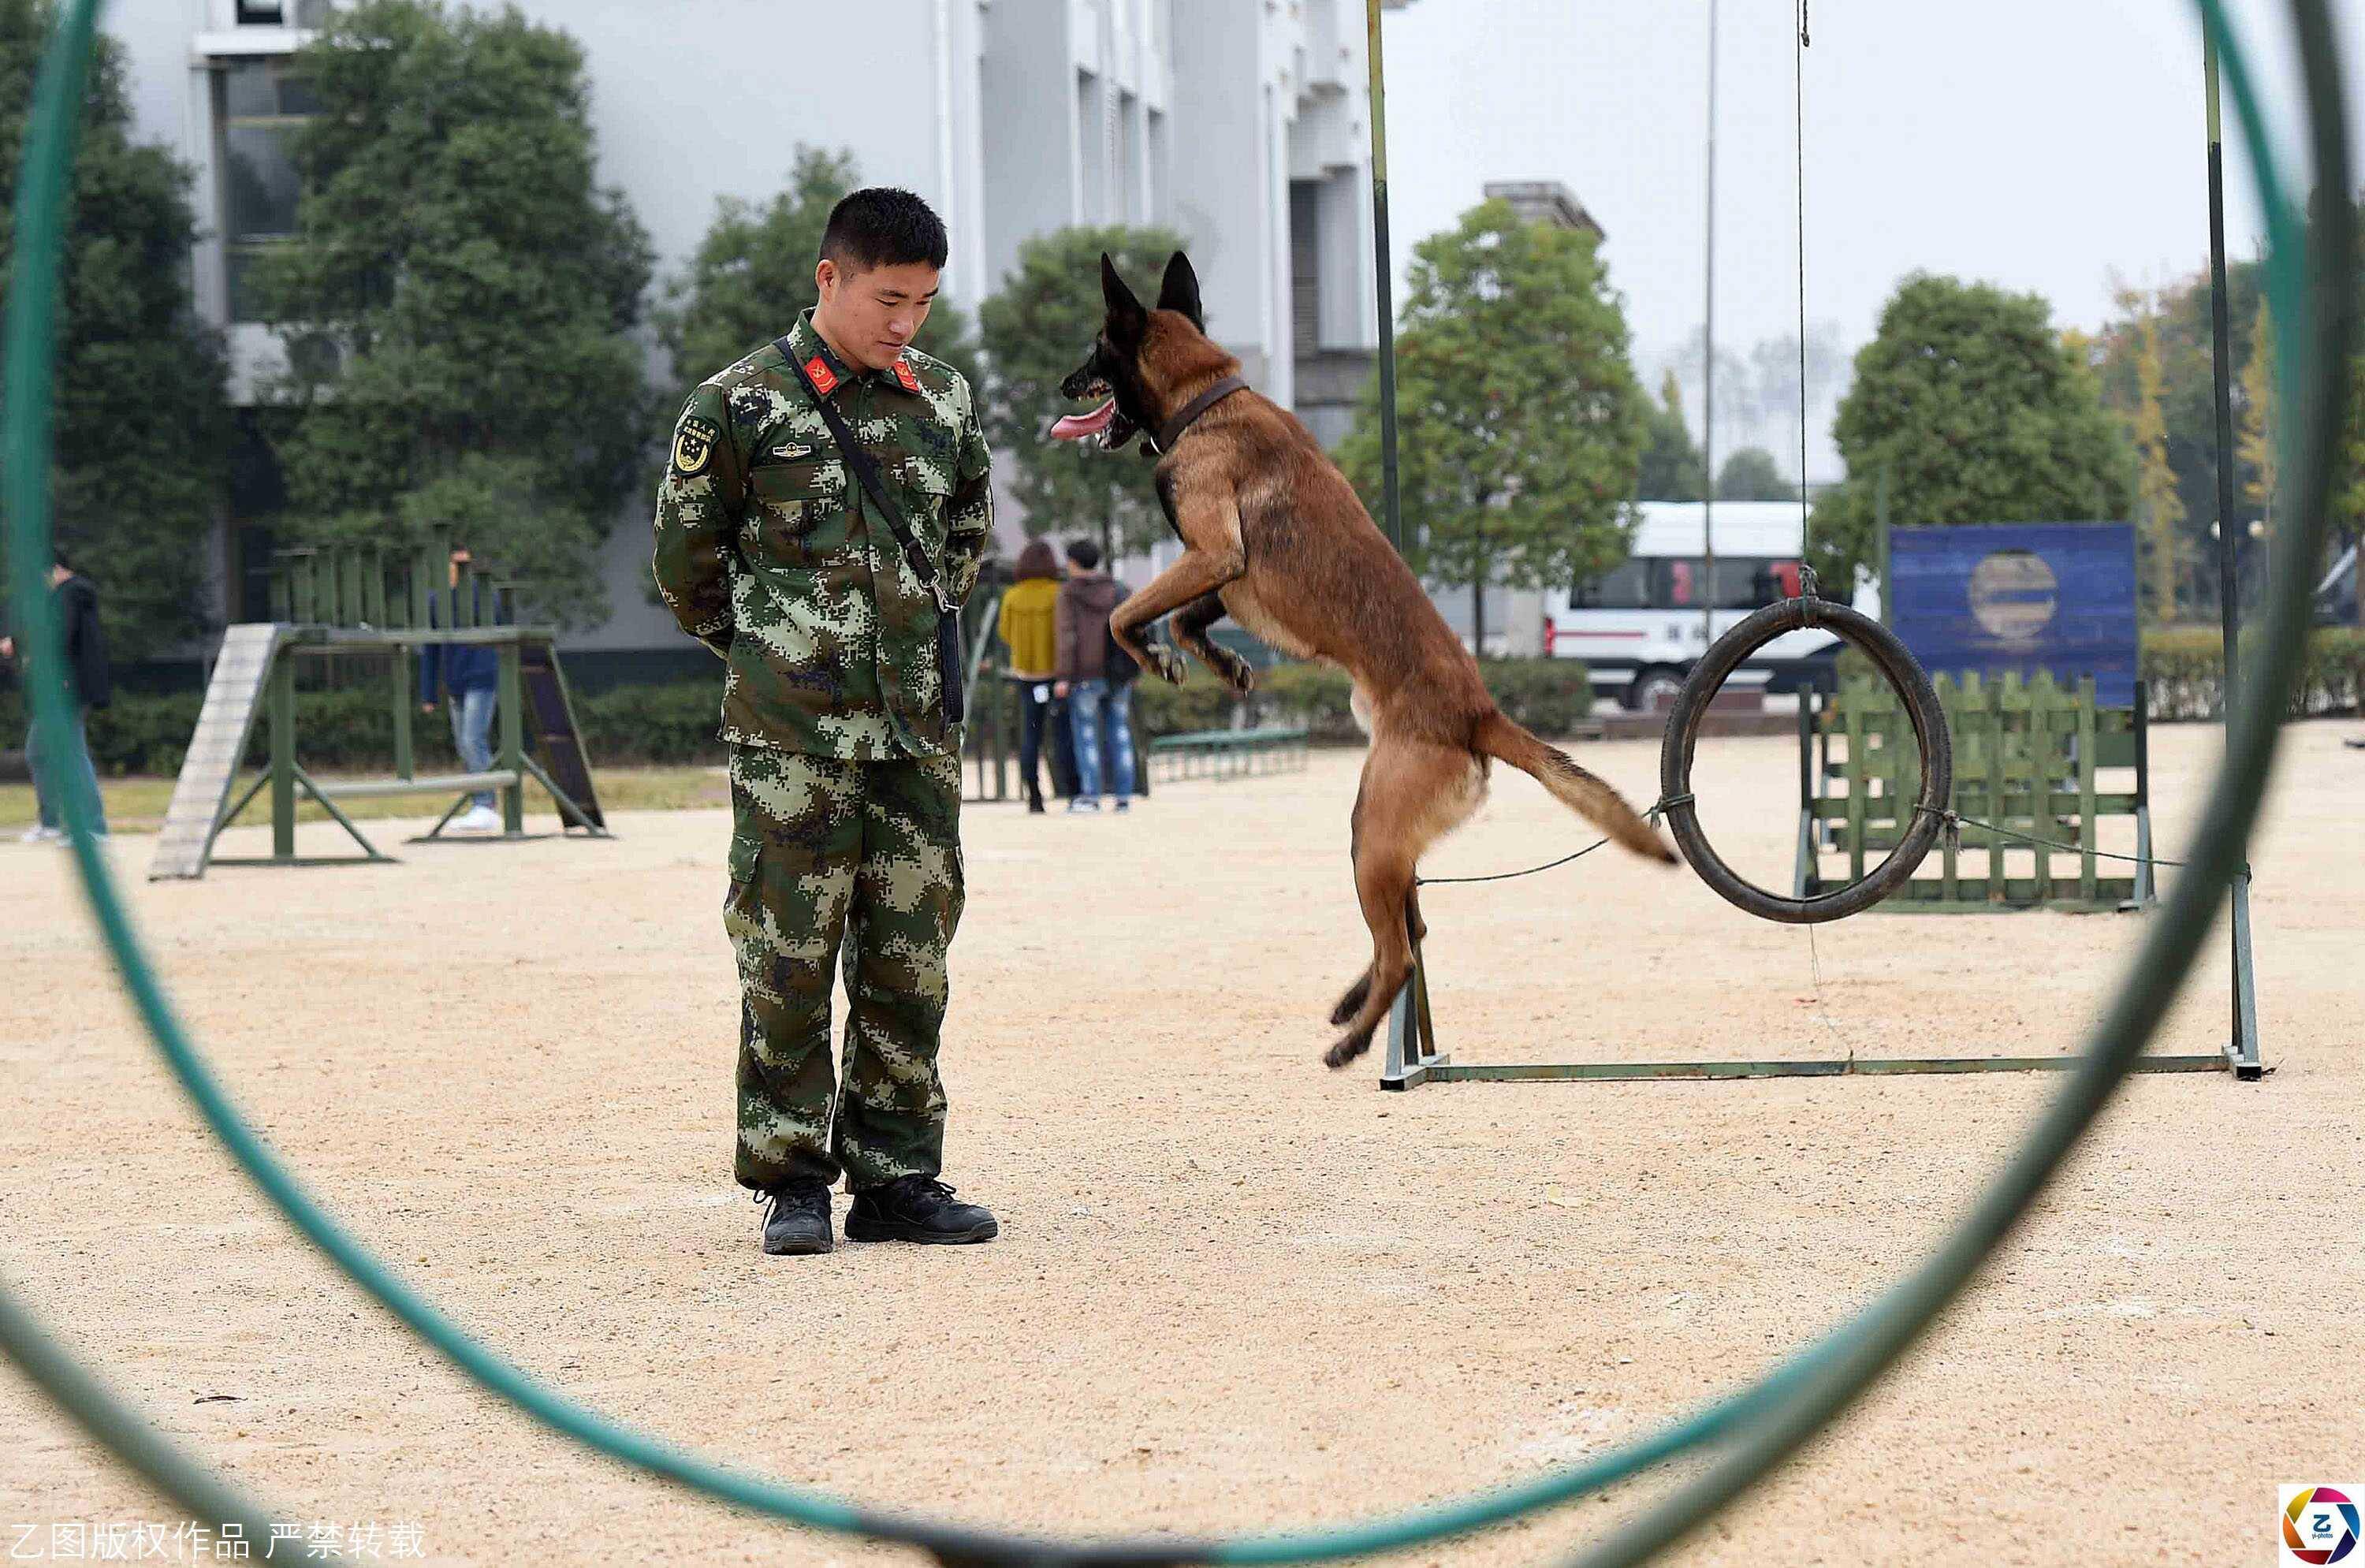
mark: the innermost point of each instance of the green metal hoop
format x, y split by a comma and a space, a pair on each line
2308, 290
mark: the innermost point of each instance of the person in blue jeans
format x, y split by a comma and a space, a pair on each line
89, 684
1100, 703
471, 675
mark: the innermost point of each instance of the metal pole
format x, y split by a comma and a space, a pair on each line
512, 722
1880, 535
2243, 1047
1392, 511
404, 695
2222, 354
1707, 370
283, 757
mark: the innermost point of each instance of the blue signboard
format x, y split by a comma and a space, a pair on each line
1998, 596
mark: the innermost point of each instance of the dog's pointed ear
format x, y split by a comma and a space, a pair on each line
1179, 291
1124, 312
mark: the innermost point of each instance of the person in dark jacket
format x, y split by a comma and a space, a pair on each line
90, 685
1100, 707
471, 675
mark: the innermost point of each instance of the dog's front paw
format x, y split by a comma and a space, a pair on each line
1169, 662
1237, 672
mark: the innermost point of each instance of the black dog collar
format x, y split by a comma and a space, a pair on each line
1171, 431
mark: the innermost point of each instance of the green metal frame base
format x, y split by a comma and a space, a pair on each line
488, 838
301, 860
1853, 1067
1413, 1059
2242, 1047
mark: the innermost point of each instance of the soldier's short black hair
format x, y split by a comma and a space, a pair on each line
883, 226
1084, 553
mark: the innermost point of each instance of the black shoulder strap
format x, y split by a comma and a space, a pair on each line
866, 471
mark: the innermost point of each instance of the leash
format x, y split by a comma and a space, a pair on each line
1665, 805
1954, 822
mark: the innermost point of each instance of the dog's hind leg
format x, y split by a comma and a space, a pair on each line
1413, 791
1382, 876
1352, 1001
1415, 928
1190, 627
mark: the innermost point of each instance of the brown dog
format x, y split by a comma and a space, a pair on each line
1274, 536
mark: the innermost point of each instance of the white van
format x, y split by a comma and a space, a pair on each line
1638, 626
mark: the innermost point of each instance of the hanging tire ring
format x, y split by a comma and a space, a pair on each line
1914, 694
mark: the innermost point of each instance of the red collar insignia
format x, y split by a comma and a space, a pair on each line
825, 380
911, 382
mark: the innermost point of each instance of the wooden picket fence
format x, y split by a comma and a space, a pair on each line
2029, 756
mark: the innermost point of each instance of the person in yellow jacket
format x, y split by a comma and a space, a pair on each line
1028, 611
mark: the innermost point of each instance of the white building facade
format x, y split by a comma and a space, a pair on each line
1241, 124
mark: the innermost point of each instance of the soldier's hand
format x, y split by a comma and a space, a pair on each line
1060, 689
7, 647
427, 707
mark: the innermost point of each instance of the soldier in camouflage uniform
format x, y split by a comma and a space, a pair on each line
845, 775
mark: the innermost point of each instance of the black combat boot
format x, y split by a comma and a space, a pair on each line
798, 1222
916, 1208
1033, 797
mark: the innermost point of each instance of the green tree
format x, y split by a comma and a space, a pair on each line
1039, 326
142, 424
1673, 468
1979, 412
754, 273
1752, 475
2176, 324
2161, 509
2257, 431
459, 299
1520, 429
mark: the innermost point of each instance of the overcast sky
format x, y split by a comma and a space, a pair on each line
2048, 147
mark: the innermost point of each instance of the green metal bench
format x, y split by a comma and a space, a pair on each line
1228, 754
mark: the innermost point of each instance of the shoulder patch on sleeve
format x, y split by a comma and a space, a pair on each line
693, 444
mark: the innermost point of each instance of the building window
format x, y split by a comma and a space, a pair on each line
261, 108
276, 13
1092, 150
1673, 582
1305, 267
1135, 206
1153, 179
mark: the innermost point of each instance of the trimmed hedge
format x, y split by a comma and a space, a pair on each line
1551, 697
2184, 671
352, 729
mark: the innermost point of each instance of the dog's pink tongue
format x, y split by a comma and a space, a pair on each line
1075, 427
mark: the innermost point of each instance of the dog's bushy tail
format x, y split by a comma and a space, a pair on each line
1580, 791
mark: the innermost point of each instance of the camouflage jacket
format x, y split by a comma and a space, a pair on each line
770, 553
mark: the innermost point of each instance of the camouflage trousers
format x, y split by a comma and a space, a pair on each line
866, 854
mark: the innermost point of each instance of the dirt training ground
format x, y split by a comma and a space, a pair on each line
1234, 1290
